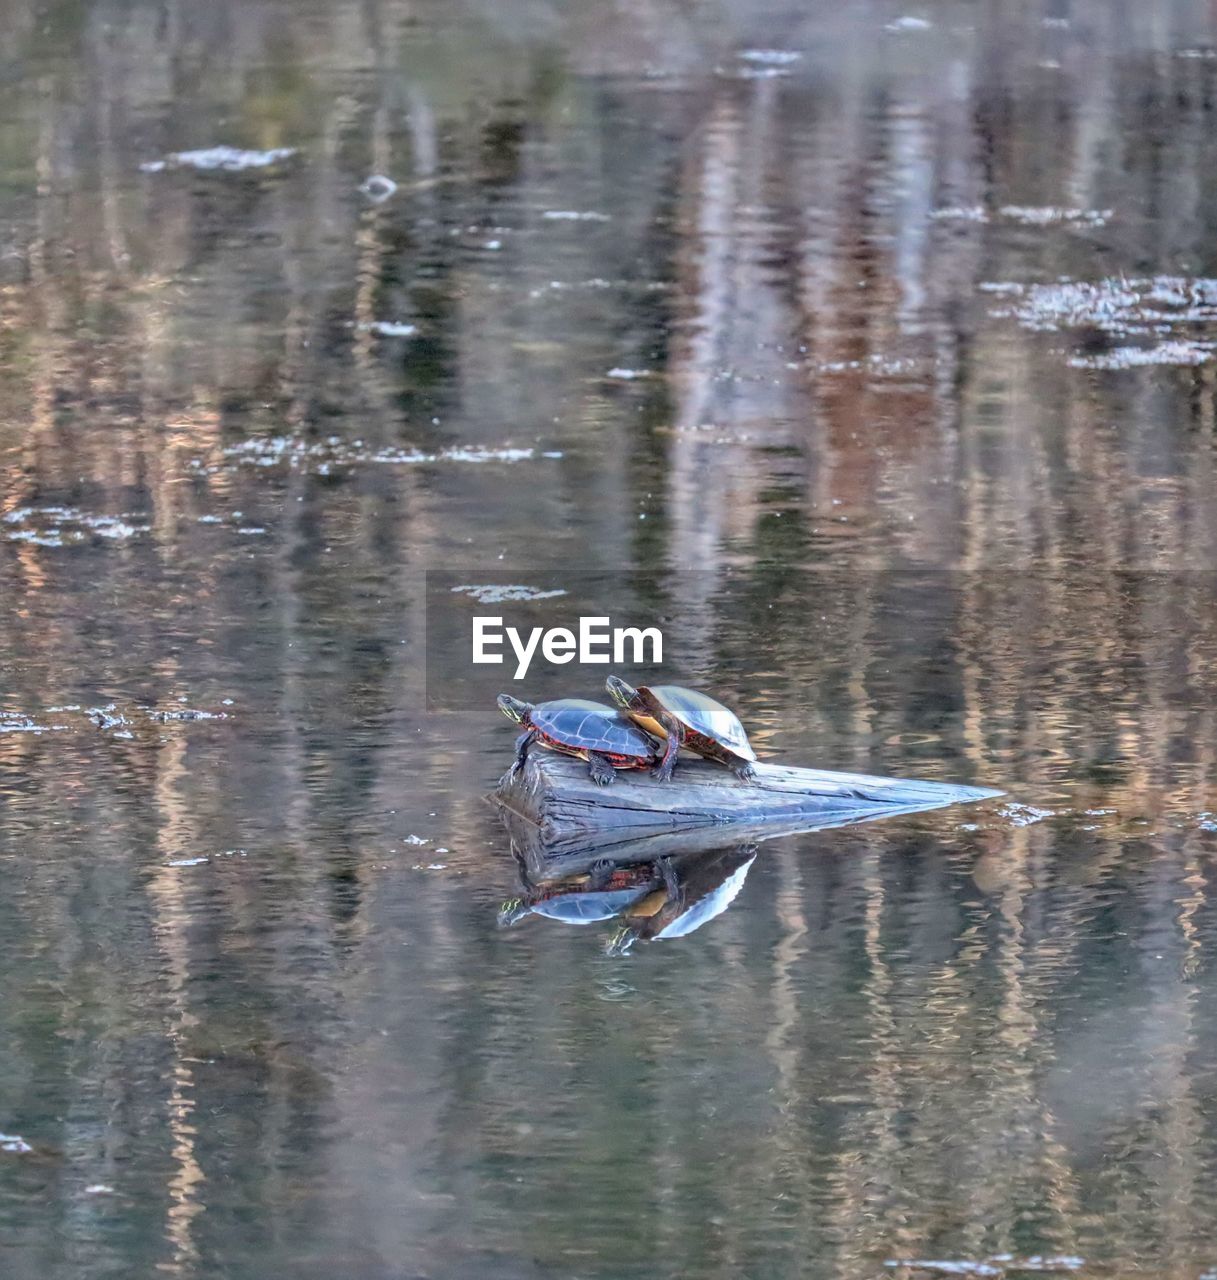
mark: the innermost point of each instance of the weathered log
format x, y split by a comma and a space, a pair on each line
572, 816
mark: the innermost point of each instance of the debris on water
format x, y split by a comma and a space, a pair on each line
14, 1144
1024, 815
107, 717
290, 451
575, 215
222, 158
1027, 215
99, 1189
390, 328
61, 526
908, 23
628, 375
430, 866
188, 862
413, 839
12, 722
997, 1264
960, 1268
960, 213
187, 713
753, 71
1046, 216
771, 57
1165, 308
500, 594
1145, 305
1176, 353
378, 187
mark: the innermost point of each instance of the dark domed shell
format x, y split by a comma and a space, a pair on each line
589, 908
705, 716
591, 726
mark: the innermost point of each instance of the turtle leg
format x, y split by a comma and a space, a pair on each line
600, 769
667, 873
523, 742
663, 770
600, 873
744, 770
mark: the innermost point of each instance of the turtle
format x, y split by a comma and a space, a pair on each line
686, 718
591, 731
702, 887
600, 893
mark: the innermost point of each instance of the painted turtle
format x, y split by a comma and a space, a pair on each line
686, 718
575, 727
695, 891
601, 893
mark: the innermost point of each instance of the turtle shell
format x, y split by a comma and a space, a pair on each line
705, 716
588, 908
591, 726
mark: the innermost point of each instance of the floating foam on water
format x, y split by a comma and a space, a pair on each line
575, 215
1047, 215
1024, 815
628, 375
1168, 353
222, 158
1164, 309
960, 213
908, 23
16, 723
62, 526
996, 1264
378, 187
15, 1144
771, 57
390, 328
1026, 214
290, 451
498, 594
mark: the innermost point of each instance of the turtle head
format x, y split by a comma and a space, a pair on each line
513, 910
624, 695
621, 941
513, 708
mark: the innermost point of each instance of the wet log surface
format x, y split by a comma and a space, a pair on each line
572, 815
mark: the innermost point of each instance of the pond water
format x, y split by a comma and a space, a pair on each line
882, 339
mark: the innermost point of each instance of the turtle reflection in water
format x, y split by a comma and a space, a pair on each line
685, 718
654, 901
575, 727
